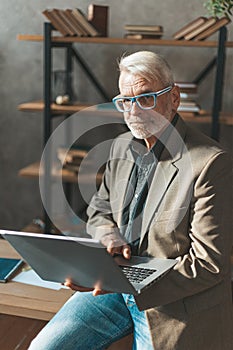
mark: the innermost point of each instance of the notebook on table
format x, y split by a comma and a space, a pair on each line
86, 262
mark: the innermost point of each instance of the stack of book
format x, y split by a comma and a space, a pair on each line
134, 31
73, 22
200, 28
188, 95
72, 159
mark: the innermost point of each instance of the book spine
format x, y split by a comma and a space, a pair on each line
79, 30
66, 21
142, 36
133, 28
56, 24
189, 27
98, 17
59, 19
200, 29
81, 18
212, 29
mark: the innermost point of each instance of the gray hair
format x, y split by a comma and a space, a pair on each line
149, 65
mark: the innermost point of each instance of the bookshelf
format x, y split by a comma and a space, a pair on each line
49, 110
202, 117
123, 41
207, 117
32, 171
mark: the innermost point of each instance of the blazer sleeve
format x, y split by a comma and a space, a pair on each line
101, 223
207, 262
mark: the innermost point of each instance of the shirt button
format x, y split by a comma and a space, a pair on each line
136, 195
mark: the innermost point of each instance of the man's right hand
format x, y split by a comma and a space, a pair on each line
114, 245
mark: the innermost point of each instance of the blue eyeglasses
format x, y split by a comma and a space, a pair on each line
144, 101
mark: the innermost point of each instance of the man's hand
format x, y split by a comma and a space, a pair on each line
114, 245
95, 291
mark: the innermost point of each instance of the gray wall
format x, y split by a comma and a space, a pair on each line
21, 71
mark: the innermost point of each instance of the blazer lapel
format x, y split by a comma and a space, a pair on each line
126, 169
165, 173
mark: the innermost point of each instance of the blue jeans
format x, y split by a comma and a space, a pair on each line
93, 323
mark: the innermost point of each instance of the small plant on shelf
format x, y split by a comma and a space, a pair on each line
219, 8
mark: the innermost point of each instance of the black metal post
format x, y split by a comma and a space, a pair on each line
70, 93
69, 70
47, 123
219, 80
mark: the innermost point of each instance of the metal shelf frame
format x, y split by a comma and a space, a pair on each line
217, 62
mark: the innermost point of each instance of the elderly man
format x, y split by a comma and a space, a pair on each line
166, 192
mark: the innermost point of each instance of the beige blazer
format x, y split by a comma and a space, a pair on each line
187, 216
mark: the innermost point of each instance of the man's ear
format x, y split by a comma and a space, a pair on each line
175, 95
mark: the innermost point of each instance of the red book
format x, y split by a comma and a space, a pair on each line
98, 16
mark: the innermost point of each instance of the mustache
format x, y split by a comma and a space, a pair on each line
136, 119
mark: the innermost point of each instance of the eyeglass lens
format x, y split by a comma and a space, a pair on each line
145, 102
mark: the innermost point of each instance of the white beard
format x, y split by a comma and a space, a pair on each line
140, 132
151, 123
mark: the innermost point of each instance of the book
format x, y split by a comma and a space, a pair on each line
210, 21
63, 19
9, 267
187, 87
143, 28
77, 27
188, 103
73, 155
56, 22
189, 27
194, 109
97, 15
72, 158
140, 36
152, 32
57, 16
83, 21
188, 95
211, 30
68, 22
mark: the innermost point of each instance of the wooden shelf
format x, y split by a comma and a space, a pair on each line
206, 118
38, 106
123, 41
101, 110
32, 171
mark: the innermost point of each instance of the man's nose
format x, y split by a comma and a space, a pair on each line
135, 107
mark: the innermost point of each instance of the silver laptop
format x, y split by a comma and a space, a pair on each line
86, 262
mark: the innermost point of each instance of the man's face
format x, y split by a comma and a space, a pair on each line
145, 123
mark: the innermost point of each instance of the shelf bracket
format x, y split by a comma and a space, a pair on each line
91, 75
202, 75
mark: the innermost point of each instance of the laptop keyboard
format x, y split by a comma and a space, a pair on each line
136, 274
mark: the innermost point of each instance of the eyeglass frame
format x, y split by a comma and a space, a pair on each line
134, 99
